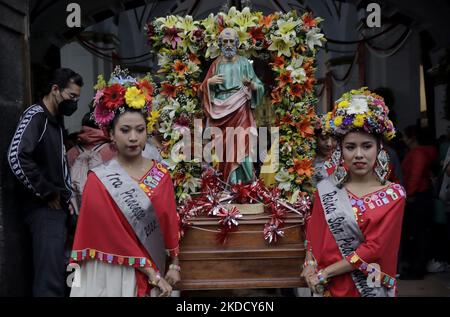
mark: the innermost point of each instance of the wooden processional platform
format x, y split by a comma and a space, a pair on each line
246, 261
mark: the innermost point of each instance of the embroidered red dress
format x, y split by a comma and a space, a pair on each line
104, 234
379, 216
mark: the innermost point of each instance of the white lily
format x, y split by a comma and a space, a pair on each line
245, 20
209, 23
189, 107
313, 37
297, 72
168, 22
281, 45
187, 24
286, 28
191, 183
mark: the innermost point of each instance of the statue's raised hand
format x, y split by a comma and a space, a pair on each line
216, 80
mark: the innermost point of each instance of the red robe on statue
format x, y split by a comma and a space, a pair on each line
104, 234
379, 216
226, 116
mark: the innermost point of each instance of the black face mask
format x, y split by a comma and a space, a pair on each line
67, 107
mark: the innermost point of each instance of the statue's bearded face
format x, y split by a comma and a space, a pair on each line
228, 44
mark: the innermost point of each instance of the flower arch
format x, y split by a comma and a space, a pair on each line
288, 42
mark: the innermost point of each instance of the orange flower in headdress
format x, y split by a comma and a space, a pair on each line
179, 67
168, 90
146, 87
302, 167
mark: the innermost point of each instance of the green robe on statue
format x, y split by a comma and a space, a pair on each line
229, 105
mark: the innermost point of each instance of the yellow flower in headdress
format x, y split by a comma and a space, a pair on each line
338, 121
359, 120
135, 98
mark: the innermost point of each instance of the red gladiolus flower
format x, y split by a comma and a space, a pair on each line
113, 96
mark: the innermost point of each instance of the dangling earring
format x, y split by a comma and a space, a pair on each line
340, 174
382, 167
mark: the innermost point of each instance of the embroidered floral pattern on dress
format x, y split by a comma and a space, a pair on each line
385, 196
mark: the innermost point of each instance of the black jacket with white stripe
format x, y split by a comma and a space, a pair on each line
37, 157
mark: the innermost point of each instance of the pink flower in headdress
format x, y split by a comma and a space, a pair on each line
98, 96
102, 115
171, 37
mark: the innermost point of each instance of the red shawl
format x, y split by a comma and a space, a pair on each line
381, 227
242, 117
104, 234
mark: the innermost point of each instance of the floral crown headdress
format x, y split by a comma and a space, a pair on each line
121, 92
361, 110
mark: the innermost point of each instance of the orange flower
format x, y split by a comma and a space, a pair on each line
193, 58
266, 20
287, 119
147, 88
278, 62
168, 90
276, 97
308, 85
284, 78
309, 21
195, 86
305, 128
302, 167
296, 90
179, 67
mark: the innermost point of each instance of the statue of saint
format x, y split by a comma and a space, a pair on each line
229, 93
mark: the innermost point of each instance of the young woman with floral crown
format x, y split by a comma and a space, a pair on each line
128, 221
353, 233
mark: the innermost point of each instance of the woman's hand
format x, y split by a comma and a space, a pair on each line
314, 283
308, 270
164, 287
173, 276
